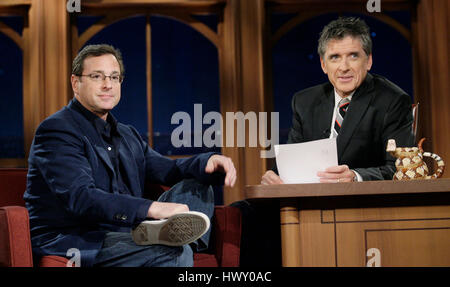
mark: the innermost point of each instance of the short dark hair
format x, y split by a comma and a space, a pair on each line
95, 51
342, 27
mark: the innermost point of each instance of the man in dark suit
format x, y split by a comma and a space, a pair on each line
376, 110
87, 174
361, 110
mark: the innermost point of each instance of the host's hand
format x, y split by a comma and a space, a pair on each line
160, 210
338, 173
222, 164
271, 177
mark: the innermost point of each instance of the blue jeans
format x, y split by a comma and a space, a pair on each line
119, 249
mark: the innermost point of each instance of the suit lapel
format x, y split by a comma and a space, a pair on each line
130, 166
323, 113
103, 154
94, 138
356, 110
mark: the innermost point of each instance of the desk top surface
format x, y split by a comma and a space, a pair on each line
382, 187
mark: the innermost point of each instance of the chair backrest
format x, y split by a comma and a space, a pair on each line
415, 113
13, 183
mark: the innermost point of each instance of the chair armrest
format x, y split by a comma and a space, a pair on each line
53, 261
15, 243
227, 235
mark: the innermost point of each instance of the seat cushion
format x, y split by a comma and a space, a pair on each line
53, 261
205, 260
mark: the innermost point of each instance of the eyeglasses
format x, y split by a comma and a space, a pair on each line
99, 77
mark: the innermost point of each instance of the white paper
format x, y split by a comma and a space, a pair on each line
299, 163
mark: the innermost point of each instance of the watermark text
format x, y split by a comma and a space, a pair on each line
73, 6
236, 123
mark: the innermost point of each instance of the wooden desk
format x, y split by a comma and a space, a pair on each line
378, 223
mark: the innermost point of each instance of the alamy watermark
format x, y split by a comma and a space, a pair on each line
73, 6
375, 257
373, 6
75, 257
213, 135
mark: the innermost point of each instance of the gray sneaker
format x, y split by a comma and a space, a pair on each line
177, 230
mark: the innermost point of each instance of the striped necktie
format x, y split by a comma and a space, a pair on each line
340, 114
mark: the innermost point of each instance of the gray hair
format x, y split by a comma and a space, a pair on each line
342, 27
95, 51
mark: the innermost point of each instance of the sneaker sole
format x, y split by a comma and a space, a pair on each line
177, 230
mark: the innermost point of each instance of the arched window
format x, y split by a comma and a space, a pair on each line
11, 95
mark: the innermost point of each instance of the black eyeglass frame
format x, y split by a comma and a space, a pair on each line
121, 77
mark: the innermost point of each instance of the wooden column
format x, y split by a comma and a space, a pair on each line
148, 74
230, 88
33, 72
57, 54
242, 85
431, 30
253, 92
46, 64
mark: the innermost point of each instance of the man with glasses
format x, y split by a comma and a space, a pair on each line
87, 174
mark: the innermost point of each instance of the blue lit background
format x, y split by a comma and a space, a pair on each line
185, 71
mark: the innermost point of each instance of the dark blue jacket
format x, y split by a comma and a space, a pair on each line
72, 193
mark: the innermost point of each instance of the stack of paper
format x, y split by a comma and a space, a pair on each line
299, 163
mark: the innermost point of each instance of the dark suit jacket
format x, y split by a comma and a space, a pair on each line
379, 111
72, 193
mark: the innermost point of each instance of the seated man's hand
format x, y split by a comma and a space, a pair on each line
338, 173
160, 210
223, 164
271, 177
